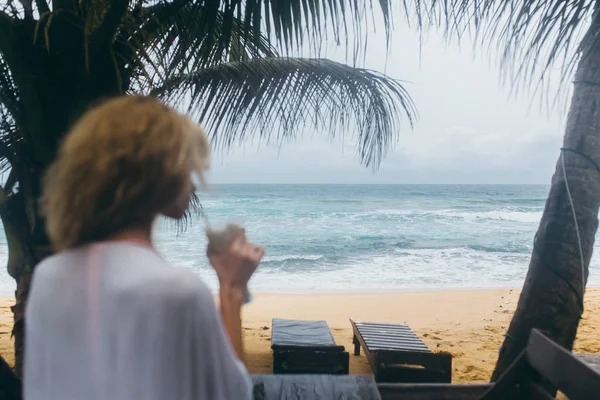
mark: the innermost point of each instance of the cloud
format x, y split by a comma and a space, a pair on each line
469, 131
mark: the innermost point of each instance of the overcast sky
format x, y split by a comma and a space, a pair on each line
469, 130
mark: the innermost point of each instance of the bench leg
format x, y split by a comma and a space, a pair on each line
356, 345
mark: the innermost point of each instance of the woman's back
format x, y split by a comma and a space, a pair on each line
107, 318
115, 321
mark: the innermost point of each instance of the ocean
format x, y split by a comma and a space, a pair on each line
367, 238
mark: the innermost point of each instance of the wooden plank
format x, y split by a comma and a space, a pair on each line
394, 343
399, 350
593, 360
405, 326
406, 391
507, 387
402, 333
397, 346
391, 342
382, 329
533, 391
326, 387
368, 335
388, 333
562, 369
369, 339
392, 338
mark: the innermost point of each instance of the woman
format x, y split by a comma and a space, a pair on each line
107, 317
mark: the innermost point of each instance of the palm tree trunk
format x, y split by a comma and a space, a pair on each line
552, 295
27, 245
20, 268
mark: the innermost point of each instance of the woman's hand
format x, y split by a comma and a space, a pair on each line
236, 265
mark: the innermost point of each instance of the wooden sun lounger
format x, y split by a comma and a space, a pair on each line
306, 347
396, 354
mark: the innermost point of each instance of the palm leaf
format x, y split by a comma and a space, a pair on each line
11, 118
274, 98
172, 38
295, 23
9, 94
532, 38
9, 139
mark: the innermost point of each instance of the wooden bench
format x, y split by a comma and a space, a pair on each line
540, 369
545, 361
306, 347
396, 354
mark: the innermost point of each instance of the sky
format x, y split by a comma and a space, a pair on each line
471, 129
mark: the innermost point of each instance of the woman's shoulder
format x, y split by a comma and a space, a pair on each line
129, 273
174, 283
168, 293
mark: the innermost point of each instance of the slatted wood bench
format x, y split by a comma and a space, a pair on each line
396, 354
542, 367
306, 347
535, 374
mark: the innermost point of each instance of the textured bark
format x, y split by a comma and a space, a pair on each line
549, 300
55, 85
22, 257
18, 310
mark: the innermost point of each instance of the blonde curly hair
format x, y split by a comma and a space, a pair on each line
120, 165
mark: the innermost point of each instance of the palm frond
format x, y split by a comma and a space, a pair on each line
534, 38
172, 38
206, 29
275, 98
9, 94
11, 118
295, 23
10, 140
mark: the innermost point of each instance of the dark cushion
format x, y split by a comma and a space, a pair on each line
288, 334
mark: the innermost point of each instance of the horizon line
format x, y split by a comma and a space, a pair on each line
379, 184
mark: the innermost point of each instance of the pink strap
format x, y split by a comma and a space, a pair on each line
93, 303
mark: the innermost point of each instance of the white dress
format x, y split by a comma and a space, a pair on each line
114, 321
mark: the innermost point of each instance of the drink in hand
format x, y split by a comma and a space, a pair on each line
219, 240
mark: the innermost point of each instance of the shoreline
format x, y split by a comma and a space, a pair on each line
346, 292
470, 324
351, 292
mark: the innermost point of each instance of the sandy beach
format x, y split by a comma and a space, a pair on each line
470, 324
